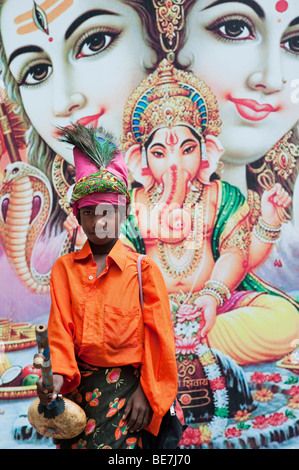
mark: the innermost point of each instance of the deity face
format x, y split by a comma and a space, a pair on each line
81, 69
247, 52
175, 147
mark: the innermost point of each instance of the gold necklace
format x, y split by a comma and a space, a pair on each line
181, 259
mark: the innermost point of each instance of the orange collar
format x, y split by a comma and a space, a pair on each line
118, 253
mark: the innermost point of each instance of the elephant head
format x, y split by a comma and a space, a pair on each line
175, 159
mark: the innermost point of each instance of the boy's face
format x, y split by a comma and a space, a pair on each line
101, 223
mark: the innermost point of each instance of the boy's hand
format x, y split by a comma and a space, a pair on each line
208, 306
137, 411
43, 393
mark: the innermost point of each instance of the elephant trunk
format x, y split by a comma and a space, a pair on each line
171, 223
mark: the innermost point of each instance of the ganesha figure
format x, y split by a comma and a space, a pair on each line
197, 228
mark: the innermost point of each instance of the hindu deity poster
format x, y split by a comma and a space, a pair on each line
203, 96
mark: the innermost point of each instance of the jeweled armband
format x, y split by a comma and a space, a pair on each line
266, 233
218, 290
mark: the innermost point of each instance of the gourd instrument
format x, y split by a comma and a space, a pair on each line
62, 419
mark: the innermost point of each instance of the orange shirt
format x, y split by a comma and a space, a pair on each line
99, 320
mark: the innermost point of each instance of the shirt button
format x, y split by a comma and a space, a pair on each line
90, 277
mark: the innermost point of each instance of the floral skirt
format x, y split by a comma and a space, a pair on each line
103, 394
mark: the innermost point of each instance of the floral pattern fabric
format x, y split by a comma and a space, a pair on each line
273, 420
103, 394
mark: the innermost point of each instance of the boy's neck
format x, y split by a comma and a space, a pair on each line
102, 249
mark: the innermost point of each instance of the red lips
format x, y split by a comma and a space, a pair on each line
88, 119
251, 109
85, 121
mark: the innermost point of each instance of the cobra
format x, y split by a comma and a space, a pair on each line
26, 203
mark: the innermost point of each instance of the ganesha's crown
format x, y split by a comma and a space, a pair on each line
166, 98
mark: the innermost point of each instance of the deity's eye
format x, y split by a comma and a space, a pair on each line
291, 45
189, 149
158, 154
232, 28
157, 151
94, 42
35, 73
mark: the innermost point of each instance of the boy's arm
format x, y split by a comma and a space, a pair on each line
159, 369
61, 330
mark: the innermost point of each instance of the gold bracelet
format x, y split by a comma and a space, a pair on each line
218, 290
266, 233
271, 228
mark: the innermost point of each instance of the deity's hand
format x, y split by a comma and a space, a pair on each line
70, 225
208, 306
272, 203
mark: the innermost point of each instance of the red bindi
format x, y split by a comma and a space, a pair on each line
282, 6
50, 39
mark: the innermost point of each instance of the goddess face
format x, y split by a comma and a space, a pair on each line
80, 66
247, 51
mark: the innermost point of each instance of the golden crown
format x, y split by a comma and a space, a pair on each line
166, 98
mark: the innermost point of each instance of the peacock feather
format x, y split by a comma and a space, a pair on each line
97, 144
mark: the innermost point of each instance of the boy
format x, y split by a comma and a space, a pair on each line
116, 360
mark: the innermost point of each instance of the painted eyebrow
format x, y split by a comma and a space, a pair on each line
251, 3
192, 141
23, 50
156, 143
84, 17
295, 22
